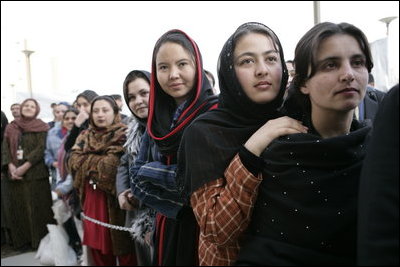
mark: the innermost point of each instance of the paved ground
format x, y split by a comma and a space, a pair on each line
7, 251
11, 257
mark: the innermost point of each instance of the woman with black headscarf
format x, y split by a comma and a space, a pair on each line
253, 76
306, 210
179, 92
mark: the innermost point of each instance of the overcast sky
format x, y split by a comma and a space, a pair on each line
93, 45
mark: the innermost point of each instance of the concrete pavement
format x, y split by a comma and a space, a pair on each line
24, 259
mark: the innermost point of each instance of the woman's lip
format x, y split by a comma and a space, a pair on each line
263, 86
263, 83
347, 90
175, 85
137, 109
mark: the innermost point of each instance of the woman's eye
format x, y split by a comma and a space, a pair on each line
358, 62
329, 66
246, 61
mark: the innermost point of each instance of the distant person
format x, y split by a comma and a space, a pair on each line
291, 72
54, 140
369, 106
58, 112
28, 200
83, 101
4, 122
211, 79
15, 110
53, 111
63, 187
371, 80
118, 100
378, 202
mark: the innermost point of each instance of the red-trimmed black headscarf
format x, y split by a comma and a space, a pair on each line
162, 106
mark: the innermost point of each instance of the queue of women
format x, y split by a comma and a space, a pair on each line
249, 177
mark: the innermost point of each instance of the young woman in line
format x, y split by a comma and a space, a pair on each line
94, 161
306, 210
179, 92
136, 89
253, 76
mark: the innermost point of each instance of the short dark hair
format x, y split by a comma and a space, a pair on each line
371, 78
209, 74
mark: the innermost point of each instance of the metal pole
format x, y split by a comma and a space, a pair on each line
28, 68
317, 12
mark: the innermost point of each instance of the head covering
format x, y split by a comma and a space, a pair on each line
89, 95
21, 125
210, 143
136, 127
128, 79
162, 106
97, 141
64, 103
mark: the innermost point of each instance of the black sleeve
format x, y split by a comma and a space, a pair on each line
253, 163
378, 206
70, 142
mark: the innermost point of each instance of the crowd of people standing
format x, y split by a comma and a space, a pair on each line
269, 172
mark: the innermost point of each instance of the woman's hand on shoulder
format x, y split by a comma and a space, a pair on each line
271, 130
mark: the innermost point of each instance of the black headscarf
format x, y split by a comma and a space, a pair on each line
162, 106
210, 143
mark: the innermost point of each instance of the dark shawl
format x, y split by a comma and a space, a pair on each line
210, 143
162, 106
306, 210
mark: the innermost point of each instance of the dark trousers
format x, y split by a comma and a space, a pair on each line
74, 239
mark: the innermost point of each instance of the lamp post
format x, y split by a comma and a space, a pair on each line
387, 21
317, 12
28, 67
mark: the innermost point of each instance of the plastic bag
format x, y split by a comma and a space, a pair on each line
61, 211
44, 252
54, 248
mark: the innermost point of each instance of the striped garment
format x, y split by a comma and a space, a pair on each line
153, 183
